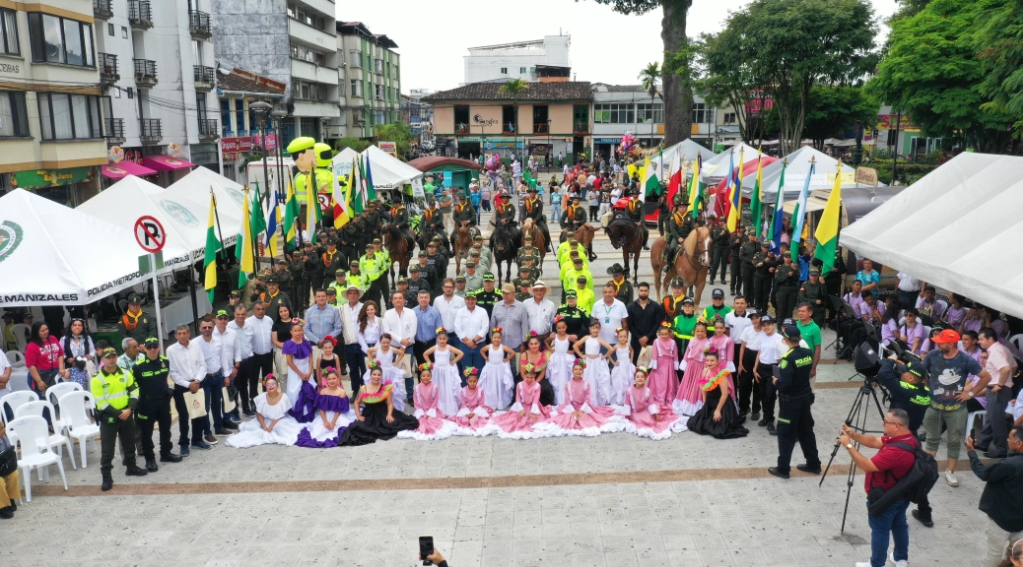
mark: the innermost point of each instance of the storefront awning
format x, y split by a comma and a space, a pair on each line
122, 169
165, 163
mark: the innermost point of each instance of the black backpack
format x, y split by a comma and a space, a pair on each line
914, 486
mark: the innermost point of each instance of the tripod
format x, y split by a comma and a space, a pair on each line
857, 420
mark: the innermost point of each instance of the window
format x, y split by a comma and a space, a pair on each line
9, 33
356, 87
315, 92
461, 119
69, 117
613, 113
60, 40
650, 113
522, 70
110, 30
396, 75
225, 116
124, 32
378, 66
13, 115
730, 118
355, 58
532, 69
504, 70
701, 113
197, 58
239, 115
379, 91
200, 105
379, 118
292, 11
306, 54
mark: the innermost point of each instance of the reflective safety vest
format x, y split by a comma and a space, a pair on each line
370, 267
114, 390
358, 280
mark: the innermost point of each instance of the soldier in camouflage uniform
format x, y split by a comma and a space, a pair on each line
720, 239
417, 282
746, 253
764, 263
473, 281
815, 292
735, 243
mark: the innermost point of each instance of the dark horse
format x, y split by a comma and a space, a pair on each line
426, 234
400, 249
505, 249
624, 234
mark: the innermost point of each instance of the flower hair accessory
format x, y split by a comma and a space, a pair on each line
619, 329
643, 369
440, 330
296, 322
497, 330
269, 376
426, 366
579, 362
373, 364
558, 318
330, 369
534, 334
470, 372
711, 350
664, 324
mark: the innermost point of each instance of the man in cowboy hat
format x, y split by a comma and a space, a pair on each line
623, 289
534, 210
575, 216
400, 218
463, 212
679, 226
634, 209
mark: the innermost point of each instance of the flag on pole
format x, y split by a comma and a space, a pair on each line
371, 193
675, 176
355, 188
735, 196
290, 215
696, 194
757, 199
651, 185
799, 214
243, 250
827, 230
212, 247
340, 198
312, 207
272, 224
256, 217
774, 232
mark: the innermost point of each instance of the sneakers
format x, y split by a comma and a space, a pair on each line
924, 519
202, 445
211, 439
185, 451
950, 478
899, 563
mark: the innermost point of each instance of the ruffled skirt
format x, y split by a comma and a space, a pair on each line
498, 384
396, 376
598, 376
449, 387
431, 427
622, 378
644, 424
317, 436
600, 419
250, 434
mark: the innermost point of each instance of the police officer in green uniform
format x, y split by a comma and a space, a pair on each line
746, 253
136, 323
533, 208
357, 278
795, 397
474, 257
763, 266
427, 272
299, 284
578, 320
473, 281
680, 224
523, 284
815, 292
534, 271
735, 243
786, 287
623, 289
370, 268
385, 262
720, 239
488, 297
154, 404
340, 284
117, 397
485, 254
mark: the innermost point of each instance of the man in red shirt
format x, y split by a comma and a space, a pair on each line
883, 470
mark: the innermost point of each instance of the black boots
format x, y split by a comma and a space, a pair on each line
169, 458
108, 481
134, 470
151, 465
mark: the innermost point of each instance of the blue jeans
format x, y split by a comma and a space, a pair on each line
356, 366
214, 400
473, 358
892, 521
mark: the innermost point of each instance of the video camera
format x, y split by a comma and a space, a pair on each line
904, 355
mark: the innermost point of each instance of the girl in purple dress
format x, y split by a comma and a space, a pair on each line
301, 386
433, 423
333, 414
525, 418
645, 417
688, 400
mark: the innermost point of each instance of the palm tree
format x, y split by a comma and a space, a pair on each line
515, 87
648, 78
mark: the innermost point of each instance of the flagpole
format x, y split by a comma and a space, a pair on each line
216, 218
255, 249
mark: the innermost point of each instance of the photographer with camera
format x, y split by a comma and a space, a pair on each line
907, 385
891, 463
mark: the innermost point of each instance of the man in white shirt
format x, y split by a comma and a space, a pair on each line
612, 315
1001, 366
737, 320
188, 372
401, 324
907, 289
213, 350
471, 324
244, 333
350, 332
230, 360
540, 311
447, 304
262, 348
749, 347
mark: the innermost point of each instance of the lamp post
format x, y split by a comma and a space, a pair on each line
262, 110
277, 116
550, 147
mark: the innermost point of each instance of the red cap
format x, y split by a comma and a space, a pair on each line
946, 336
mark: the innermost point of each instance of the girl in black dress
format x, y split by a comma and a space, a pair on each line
329, 359
718, 417
375, 416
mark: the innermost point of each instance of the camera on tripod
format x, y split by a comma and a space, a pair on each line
904, 355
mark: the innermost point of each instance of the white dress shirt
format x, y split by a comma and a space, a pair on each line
243, 337
751, 337
401, 327
541, 315
350, 322
471, 324
371, 336
212, 351
261, 334
230, 354
907, 282
736, 325
448, 309
187, 364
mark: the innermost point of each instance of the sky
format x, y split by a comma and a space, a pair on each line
433, 37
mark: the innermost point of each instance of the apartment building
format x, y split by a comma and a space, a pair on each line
370, 81
237, 90
530, 61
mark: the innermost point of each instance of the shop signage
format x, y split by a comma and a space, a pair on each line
888, 122
42, 178
388, 147
232, 147
607, 140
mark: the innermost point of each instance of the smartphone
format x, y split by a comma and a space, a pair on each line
426, 549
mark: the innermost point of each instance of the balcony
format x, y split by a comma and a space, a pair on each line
145, 72
209, 130
199, 25
103, 9
312, 37
140, 14
508, 128
205, 78
150, 131
580, 127
461, 128
108, 74
114, 131
540, 128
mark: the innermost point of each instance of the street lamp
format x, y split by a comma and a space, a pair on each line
262, 112
550, 147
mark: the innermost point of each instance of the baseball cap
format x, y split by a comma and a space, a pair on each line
688, 301
488, 277
220, 313
151, 341
791, 332
766, 319
571, 293
718, 293
916, 369
946, 336
460, 278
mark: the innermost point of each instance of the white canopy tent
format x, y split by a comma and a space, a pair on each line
230, 197
343, 162
959, 228
689, 150
716, 168
53, 255
389, 172
795, 174
184, 220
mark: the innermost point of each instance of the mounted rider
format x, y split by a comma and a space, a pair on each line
463, 212
504, 215
400, 218
634, 210
680, 224
433, 221
574, 218
533, 208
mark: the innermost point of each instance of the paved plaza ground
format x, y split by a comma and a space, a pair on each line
616, 500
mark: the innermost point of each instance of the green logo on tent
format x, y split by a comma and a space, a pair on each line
10, 238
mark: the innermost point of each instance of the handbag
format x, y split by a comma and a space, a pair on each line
196, 403
8, 459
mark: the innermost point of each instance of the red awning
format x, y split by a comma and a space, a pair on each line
124, 168
165, 163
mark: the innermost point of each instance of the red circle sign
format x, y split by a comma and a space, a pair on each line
149, 234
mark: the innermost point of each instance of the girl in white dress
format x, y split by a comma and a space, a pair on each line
597, 373
559, 367
272, 423
385, 354
301, 388
623, 372
496, 379
445, 372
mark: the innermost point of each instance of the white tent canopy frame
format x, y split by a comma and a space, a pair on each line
795, 174
959, 228
716, 168
388, 172
689, 150
230, 196
54, 255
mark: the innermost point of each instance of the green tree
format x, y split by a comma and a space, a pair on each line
729, 79
998, 41
678, 98
399, 133
514, 88
834, 110
357, 144
648, 78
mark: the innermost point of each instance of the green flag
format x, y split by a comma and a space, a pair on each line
212, 247
757, 199
256, 218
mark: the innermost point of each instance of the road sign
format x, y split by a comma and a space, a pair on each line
149, 234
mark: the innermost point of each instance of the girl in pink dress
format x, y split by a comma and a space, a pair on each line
433, 423
576, 416
644, 417
474, 416
621, 374
689, 399
664, 360
525, 419
723, 344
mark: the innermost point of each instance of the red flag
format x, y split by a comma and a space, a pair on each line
675, 179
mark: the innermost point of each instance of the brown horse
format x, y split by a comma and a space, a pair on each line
692, 264
530, 228
624, 234
584, 234
400, 250
462, 244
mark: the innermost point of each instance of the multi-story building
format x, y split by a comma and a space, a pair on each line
238, 89
156, 69
51, 105
370, 91
533, 60
553, 117
419, 116
292, 42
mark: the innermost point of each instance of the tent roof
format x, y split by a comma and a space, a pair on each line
184, 220
196, 187
430, 163
716, 168
54, 255
388, 171
795, 174
957, 228
689, 150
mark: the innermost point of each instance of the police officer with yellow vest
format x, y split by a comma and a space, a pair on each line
117, 396
154, 404
371, 270
794, 400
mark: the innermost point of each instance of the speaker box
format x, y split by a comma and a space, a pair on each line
867, 360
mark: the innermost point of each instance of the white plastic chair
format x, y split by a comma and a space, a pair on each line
34, 454
79, 426
21, 334
58, 439
940, 306
17, 358
56, 392
971, 417
15, 400
1017, 341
